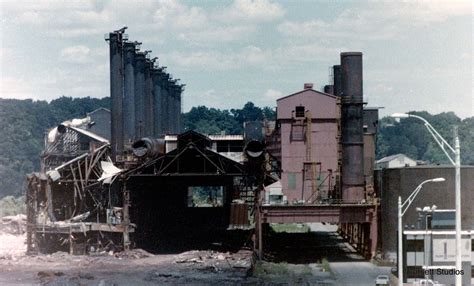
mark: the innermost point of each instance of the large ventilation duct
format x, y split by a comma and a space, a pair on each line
139, 94
148, 147
353, 181
254, 139
129, 92
254, 148
116, 91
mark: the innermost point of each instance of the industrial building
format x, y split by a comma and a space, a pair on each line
325, 145
430, 246
393, 182
147, 184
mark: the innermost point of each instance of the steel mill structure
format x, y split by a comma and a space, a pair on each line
325, 145
145, 99
150, 185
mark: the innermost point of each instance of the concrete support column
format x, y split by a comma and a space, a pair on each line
373, 233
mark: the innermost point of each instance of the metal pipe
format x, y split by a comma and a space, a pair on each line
400, 243
457, 150
148, 147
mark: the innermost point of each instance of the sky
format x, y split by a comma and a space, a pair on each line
418, 55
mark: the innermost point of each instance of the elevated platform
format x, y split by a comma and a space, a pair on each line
333, 213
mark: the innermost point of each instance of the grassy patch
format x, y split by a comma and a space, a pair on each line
290, 228
266, 268
325, 265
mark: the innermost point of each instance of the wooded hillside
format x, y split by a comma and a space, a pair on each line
24, 123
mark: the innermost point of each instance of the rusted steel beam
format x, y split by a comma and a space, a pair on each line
317, 213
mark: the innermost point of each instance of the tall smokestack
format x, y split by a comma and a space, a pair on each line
116, 92
157, 104
165, 108
139, 95
129, 92
353, 181
329, 89
179, 91
148, 104
171, 107
337, 84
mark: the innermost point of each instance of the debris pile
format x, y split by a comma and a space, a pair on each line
13, 224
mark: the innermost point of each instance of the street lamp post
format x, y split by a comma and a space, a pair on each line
456, 151
402, 208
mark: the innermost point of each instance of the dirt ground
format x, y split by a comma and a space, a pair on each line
138, 267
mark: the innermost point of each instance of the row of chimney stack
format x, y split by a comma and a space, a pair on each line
145, 99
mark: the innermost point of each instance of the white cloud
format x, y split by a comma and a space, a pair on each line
216, 35
379, 21
272, 94
76, 54
250, 56
15, 88
255, 10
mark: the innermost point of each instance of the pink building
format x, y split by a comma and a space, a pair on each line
308, 130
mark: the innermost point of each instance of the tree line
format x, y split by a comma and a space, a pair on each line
24, 123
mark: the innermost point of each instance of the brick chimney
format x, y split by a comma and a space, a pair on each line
308, 86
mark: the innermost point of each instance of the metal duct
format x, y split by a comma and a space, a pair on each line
157, 104
116, 92
148, 147
129, 92
254, 137
139, 94
337, 81
353, 181
329, 89
254, 148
